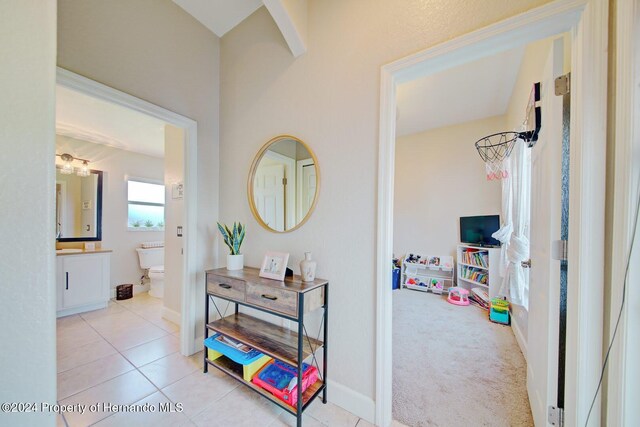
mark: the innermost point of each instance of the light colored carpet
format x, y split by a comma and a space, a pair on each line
452, 367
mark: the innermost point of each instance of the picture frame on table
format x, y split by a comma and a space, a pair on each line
274, 265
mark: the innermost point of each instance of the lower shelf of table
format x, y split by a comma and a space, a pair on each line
235, 370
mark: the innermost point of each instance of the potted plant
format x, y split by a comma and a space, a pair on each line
233, 239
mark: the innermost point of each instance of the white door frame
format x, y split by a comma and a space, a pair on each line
300, 164
587, 22
94, 89
290, 189
623, 372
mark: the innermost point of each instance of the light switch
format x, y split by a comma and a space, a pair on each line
179, 231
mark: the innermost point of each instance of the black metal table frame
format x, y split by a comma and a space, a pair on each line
300, 405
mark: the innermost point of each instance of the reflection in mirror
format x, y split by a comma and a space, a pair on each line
283, 184
78, 207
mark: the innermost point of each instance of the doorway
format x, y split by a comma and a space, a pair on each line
586, 21
188, 129
447, 209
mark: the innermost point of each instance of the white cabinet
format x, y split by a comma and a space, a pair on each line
83, 282
479, 267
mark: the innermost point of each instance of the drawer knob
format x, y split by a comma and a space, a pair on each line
224, 285
271, 297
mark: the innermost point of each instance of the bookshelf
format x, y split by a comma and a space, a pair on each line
479, 267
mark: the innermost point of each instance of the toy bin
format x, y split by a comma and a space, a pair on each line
396, 279
499, 311
251, 361
280, 379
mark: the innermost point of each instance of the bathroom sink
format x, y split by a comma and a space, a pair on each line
68, 251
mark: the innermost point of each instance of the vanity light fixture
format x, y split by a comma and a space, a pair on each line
67, 167
84, 169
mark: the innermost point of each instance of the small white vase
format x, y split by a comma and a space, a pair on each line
307, 268
235, 262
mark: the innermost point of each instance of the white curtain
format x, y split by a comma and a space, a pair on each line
514, 233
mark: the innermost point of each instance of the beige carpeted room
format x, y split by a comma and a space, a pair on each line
452, 366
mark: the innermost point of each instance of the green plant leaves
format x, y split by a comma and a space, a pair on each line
233, 239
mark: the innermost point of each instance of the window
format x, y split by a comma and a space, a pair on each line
145, 205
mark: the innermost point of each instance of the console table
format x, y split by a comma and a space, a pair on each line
290, 299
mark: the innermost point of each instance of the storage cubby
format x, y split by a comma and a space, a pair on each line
479, 267
427, 273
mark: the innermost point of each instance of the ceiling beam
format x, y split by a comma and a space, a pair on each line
291, 18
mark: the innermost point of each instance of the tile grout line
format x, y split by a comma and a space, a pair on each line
125, 358
191, 418
118, 352
156, 388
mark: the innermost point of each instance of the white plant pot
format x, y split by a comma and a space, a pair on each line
235, 262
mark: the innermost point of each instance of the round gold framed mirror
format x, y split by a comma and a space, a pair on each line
283, 184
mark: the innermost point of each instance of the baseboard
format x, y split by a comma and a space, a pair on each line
171, 315
82, 309
522, 342
352, 401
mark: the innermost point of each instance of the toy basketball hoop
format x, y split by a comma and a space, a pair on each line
496, 148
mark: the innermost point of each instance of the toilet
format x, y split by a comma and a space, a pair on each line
152, 259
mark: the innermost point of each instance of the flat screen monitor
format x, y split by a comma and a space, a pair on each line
477, 230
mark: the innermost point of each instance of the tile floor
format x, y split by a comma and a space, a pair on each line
126, 353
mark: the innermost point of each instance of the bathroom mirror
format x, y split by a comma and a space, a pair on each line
78, 207
283, 184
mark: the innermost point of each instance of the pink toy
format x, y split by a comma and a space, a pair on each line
458, 296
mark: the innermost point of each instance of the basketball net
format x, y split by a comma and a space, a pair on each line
497, 170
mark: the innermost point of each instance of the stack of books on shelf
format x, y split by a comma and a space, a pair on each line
480, 298
476, 258
475, 275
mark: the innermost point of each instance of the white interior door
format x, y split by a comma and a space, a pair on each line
269, 195
544, 291
307, 182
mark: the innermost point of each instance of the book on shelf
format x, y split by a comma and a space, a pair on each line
234, 344
471, 273
475, 257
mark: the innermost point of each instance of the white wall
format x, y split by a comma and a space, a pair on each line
439, 177
329, 98
27, 197
117, 165
154, 50
174, 217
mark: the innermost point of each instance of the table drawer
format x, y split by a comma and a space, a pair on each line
271, 298
225, 287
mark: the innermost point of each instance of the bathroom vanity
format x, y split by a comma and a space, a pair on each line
83, 280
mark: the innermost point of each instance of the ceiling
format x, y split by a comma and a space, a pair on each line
89, 119
472, 91
219, 16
